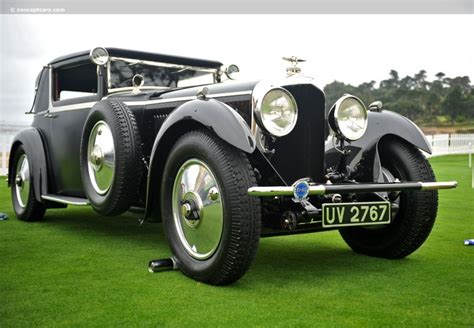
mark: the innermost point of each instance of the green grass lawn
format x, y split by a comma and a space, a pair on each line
77, 268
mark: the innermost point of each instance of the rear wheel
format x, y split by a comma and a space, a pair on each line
25, 205
417, 209
211, 224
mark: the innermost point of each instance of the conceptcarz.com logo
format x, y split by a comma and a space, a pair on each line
37, 10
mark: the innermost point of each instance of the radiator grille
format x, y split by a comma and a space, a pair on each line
300, 154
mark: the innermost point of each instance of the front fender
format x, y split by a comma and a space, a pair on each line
32, 143
364, 152
215, 115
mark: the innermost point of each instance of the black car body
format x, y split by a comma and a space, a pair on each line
170, 96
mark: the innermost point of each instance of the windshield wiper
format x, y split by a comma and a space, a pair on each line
157, 94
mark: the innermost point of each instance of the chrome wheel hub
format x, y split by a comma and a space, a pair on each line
198, 212
186, 210
101, 157
97, 158
19, 181
22, 180
192, 209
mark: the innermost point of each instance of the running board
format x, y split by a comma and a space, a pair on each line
66, 200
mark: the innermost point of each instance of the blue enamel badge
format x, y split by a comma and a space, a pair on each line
301, 190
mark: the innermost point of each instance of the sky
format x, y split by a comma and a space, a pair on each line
348, 48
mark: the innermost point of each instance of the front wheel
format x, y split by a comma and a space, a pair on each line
417, 209
211, 224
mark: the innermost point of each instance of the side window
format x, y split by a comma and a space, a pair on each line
74, 82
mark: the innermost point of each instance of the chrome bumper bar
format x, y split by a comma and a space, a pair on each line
351, 188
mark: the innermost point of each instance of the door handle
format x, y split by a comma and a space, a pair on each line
49, 115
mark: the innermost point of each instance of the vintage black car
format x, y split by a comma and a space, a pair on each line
221, 163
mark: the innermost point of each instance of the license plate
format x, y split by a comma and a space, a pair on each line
355, 214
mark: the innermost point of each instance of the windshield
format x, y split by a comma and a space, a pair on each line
121, 72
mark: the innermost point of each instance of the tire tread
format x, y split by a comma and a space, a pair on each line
128, 152
419, 211
245, 220
34, 210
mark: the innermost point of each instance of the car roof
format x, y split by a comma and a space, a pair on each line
142, 55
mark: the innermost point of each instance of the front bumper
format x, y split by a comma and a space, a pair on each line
325, 189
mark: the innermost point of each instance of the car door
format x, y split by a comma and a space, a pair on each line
74, 91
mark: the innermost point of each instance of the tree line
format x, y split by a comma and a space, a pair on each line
442, 101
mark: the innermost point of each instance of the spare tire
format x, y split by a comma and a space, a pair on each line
110, 157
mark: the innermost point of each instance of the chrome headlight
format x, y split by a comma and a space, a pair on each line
277, 112
348, 118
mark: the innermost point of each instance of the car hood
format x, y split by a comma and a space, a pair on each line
228, 87
218, 88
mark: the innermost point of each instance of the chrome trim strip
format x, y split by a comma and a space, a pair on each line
230, 94
85, 202
163, 64
50, 88
170, 100
72, 107
283, 191
145, 102
121, 90
438, 185
352, 188
270, 191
